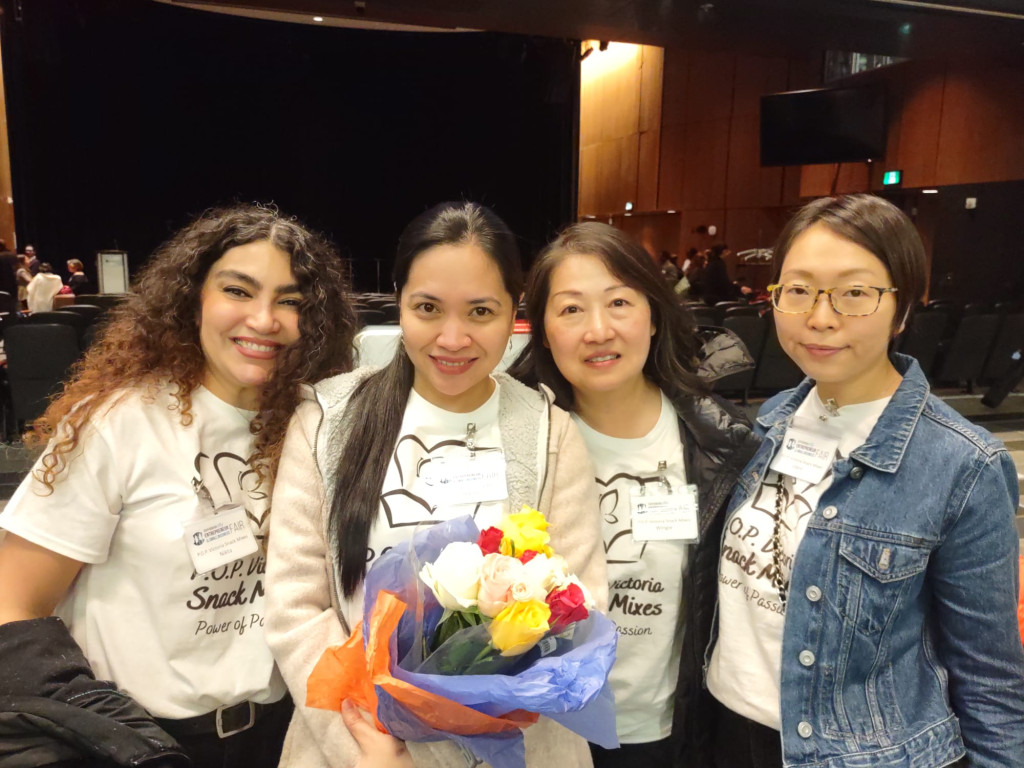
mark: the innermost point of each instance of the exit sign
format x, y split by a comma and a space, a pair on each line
892, 177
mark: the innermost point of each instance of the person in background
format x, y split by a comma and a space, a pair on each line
77, 282
42, 289
24, 277
8, 271
669, 269
166, 436
33, 260
868, 577
351, 483
715, 283
622, 354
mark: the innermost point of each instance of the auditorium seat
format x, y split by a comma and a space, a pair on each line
922, 337
39, 357
965, 353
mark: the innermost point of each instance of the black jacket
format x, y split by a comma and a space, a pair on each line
718, 442
53, 711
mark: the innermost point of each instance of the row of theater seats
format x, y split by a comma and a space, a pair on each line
956, 345
375, 309
40, 350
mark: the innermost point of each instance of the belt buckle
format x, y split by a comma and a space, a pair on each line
220, 721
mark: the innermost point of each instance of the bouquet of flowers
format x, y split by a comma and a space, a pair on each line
470, 636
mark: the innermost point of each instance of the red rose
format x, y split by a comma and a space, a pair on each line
567, 606
527, 556
490, 540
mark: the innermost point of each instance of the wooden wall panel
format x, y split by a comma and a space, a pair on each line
919, 92
647, 174
709, 86
620, 119
651, 76
749, 184
656, 232
757, 76
609, 94
817, 180
689, 222
6, 187
676, 71
706, 163
982, 123
672, 166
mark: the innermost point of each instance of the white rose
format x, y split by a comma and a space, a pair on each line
533, 579
454, 577
558, 573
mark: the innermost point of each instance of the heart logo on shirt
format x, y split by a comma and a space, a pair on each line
403, 507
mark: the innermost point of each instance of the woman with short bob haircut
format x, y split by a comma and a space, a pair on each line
350, 474
868, 579
621, 352
167, 433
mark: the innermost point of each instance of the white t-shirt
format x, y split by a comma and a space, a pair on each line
179, 643
645, 578
410, 496
41, 291
746, 661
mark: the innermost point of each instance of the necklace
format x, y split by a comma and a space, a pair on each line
831, 409
780, 583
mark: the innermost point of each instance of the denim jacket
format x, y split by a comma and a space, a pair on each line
901, 646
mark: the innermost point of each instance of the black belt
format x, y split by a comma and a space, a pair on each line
224, 721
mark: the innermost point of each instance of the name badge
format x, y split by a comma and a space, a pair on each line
659, 515
220, 539
472, 479
805, 454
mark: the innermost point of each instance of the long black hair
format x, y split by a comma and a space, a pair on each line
672, 361
375, 410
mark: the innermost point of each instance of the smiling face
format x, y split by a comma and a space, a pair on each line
456, 318
846, 356
597, 328
249, 313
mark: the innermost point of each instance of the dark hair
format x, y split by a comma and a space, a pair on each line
377, 405
152, 338
672, 361
877, 226
45, 267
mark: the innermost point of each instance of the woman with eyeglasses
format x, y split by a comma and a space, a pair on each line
868, 576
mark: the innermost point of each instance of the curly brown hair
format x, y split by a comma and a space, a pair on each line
152, 339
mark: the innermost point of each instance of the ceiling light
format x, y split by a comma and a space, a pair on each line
929, 191
318, 19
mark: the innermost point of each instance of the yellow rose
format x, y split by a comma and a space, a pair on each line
519, 627
525, 530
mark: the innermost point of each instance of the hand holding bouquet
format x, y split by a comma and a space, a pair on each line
471, 635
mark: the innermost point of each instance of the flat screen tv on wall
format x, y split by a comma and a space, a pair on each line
826, 125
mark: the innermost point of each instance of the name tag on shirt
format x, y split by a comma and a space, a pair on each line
658, 515
220, 539
805, 454
467, 479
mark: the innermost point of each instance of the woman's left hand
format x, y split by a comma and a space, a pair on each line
378, 750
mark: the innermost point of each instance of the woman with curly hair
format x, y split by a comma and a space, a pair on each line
144, 522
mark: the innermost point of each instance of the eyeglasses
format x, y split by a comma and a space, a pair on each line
849, 300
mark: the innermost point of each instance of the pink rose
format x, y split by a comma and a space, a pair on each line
497, 575
490, 540
568, 605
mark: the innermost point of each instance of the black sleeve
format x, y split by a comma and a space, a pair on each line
50, 700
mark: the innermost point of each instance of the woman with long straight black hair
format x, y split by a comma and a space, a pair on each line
351, 474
